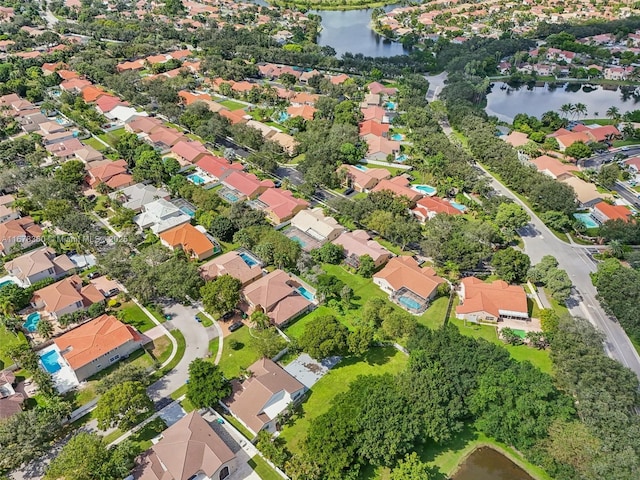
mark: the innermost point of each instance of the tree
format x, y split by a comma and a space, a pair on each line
549, 322
608, 175
328, 253
288, 80
323, 337
360, 339
397, 324
557, 220
366, 266
221, 295
207, 385
510, 336
71, 172
578, 150
267, 342
274, 448
411, 468
87, 457
510, 217
126, 372
512, 265
222, 228
122, 406
45, 328
613, 113
174, 7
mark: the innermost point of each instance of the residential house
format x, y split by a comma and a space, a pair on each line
10, 400
96, 345
373, 127
362, 178
517, 139
218, 167
134, 65
399, 186
18, 234
195, 243
88, 154
38, 265
57, 137
141, 124
617, 73
64, 150
598, 133
603, 212
7, 212
492, 302
277, 296
231, 263
305, 111
379, 148
553, 167
315, 224
163, 138
188, 152
74, 85
31, 122
90, 93
370, 100
407, 284
357, 244
280, 205
339, 79
160, 215
376, 113
428, 207
188, 449
111, 173
50, 127
246, 184
586, 192
235, 116
66, 296
565, 141
106, 103
137, 196
258, 400
377, 88
123, 113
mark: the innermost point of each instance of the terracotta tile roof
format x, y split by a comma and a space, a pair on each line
304, 97
359, 243
399, 186
373, 113
246, 183
428, 206
21, 227
377, 88
405, 272
571, 138
339, 79
188, 447
243, 86
217, 166
231, 263
381, 145
189, 150
90, 94
106, 103
188, 97
166, 136
553, 166
74, 83
374, 128
180, 54
65, 293
143, 124
517, 139
493, 298
103, 171
37, 261
189, 238
134, 65
613, 212
235, 116
282, 203
94, 339
305, 111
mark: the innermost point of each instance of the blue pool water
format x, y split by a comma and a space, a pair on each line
51, 361
306, 293
5, 283
401, 158
361, 167
409, 302
196, 179
187, 211
397, 137
298, 240
284, 116
426, 189
230, 197
458, 206
248, 259
586, 219
32, 322
390, 105
60, 121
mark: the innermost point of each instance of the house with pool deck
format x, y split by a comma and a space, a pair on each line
491, 302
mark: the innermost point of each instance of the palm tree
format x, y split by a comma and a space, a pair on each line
616, 249
613, 113
566, 109
580, 109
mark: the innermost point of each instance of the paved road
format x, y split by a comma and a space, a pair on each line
598, 160
575, 259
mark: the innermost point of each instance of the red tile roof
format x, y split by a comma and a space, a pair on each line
492, 297
404, 272
613, 212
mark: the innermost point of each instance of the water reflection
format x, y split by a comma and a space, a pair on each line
488, 464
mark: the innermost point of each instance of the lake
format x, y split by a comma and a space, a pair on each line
488, 464
350, 31
506, 102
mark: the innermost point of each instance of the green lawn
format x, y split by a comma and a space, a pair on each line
238, 426
233, 105
262, 468
624, 143
134, 316
112, 137
206, 321
539, 358
92, 142
142, 438
182, 345
233, 361
7, 338
434, 316
376, 362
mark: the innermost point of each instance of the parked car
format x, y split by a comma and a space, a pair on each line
112, 293
349, 191
235, 326
198, 319
93, 275
228, 315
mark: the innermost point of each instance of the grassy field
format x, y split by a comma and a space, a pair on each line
262, 468
92, 142
233, 361
6, 338
112, 137
233, 105
142, 438
376, 362
134, 316
539, 358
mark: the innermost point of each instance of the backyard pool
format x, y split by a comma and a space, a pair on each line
409, 303
361, 167
390, 105
397, 137
248, 259
4, 283
187, 211
51, 361
196, 179
458, 206
586, 220
230, 197
32, 322
401, 158
306, 294
284, 116
426, 189
298, 240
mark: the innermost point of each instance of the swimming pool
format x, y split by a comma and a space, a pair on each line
397, 137
586, 220
6, 282
32, 322
196, 179
401, 158
306, 294
426, 189
51, 361
248, 259
230, 197
409, 303
458, 206
284, 116
390, 105
361, 167
298, 240
187, 211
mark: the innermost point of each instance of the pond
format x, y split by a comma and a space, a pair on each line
506, 101
486, 463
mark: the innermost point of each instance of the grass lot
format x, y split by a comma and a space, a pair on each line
376, 362
391, 247
434, 316
262, 468
112, 137
238, 426
539, 358
92, 142
624, 143
134, 316
142, 438
7, 338
160, 349
233, 105
598, 121
233, 361
204, 320
182, 345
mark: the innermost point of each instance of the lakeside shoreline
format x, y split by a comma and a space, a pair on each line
329, 7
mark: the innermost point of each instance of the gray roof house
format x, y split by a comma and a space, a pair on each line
160, 215
136, 196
